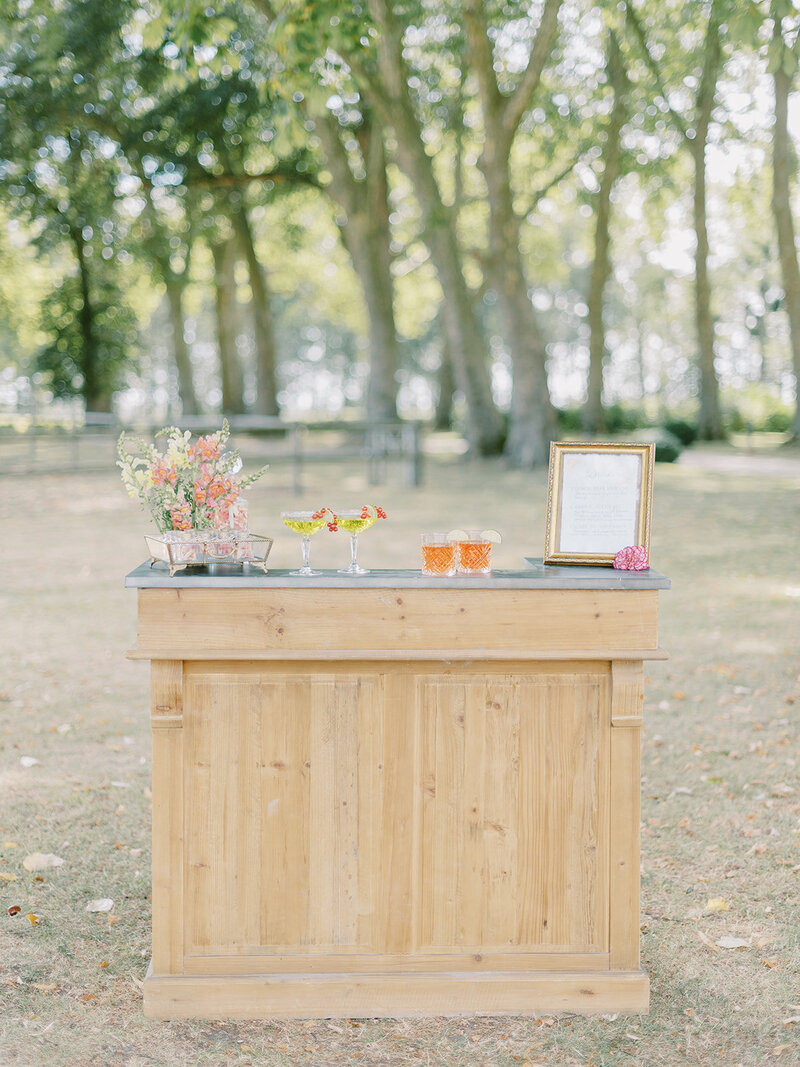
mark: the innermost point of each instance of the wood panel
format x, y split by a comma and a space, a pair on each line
353, 962
625, 772
513, 774
396, 811
166, 716
281, 831
396, 619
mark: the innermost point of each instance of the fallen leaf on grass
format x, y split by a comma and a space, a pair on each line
732, 942
791, 1019
40, 861
103, 904
772, 962
782, 790
32, 919
87, 997
45, 987
717, 904
113, 920
10, 844
707, 941
15, 909
780, 1049
103, 963
8, 877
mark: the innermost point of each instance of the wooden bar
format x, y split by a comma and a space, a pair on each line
395, 800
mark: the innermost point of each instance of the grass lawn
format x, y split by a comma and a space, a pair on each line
721, 815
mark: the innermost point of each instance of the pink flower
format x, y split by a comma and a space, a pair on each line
208, 448
632, 558
181, 516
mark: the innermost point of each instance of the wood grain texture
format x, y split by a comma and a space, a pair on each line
394, 995
384, 831
309, 655
166, 713
396, 811
627, 693
311, 961
396, 619
624, 851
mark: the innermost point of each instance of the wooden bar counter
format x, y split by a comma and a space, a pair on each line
396, 795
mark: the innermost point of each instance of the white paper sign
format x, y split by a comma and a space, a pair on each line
600, 496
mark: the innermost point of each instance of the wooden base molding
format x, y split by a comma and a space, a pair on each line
331, 996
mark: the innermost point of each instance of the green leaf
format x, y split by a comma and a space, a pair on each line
153, 32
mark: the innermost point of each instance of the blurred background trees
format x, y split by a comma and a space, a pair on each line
492, 215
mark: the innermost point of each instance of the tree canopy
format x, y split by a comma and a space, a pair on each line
481, 212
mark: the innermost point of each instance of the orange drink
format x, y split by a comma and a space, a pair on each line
475, 557
475, 550
438, 555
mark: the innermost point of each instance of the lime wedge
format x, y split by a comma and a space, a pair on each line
492, 535
457, 535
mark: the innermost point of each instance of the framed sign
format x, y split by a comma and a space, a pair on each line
599, 500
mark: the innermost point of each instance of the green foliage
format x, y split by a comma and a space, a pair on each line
685, 431
569, 420
69, 363
668, 447
620, 419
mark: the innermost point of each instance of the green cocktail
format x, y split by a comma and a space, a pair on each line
307, 523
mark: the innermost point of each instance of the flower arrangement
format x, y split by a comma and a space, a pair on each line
188, 485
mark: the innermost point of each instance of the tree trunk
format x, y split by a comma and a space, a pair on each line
443, 416
601, 268
96, 396
710, 420
266, 353
366, 235
694, 132
175, 286
782, 163
227, 321
532, 421
462, 327
389, 95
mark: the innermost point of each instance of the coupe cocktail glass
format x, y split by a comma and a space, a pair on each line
307, 523
355, 522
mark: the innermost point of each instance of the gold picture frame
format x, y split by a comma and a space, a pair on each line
599, 500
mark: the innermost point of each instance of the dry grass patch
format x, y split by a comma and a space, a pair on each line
721, 820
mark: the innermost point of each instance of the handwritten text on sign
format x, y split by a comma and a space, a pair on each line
600, 495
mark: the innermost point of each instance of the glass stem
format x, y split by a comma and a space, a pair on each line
353, 550
306, 552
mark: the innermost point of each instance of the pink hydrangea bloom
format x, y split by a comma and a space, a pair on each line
632, 558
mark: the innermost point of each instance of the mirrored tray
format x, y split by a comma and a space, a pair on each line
180, 549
